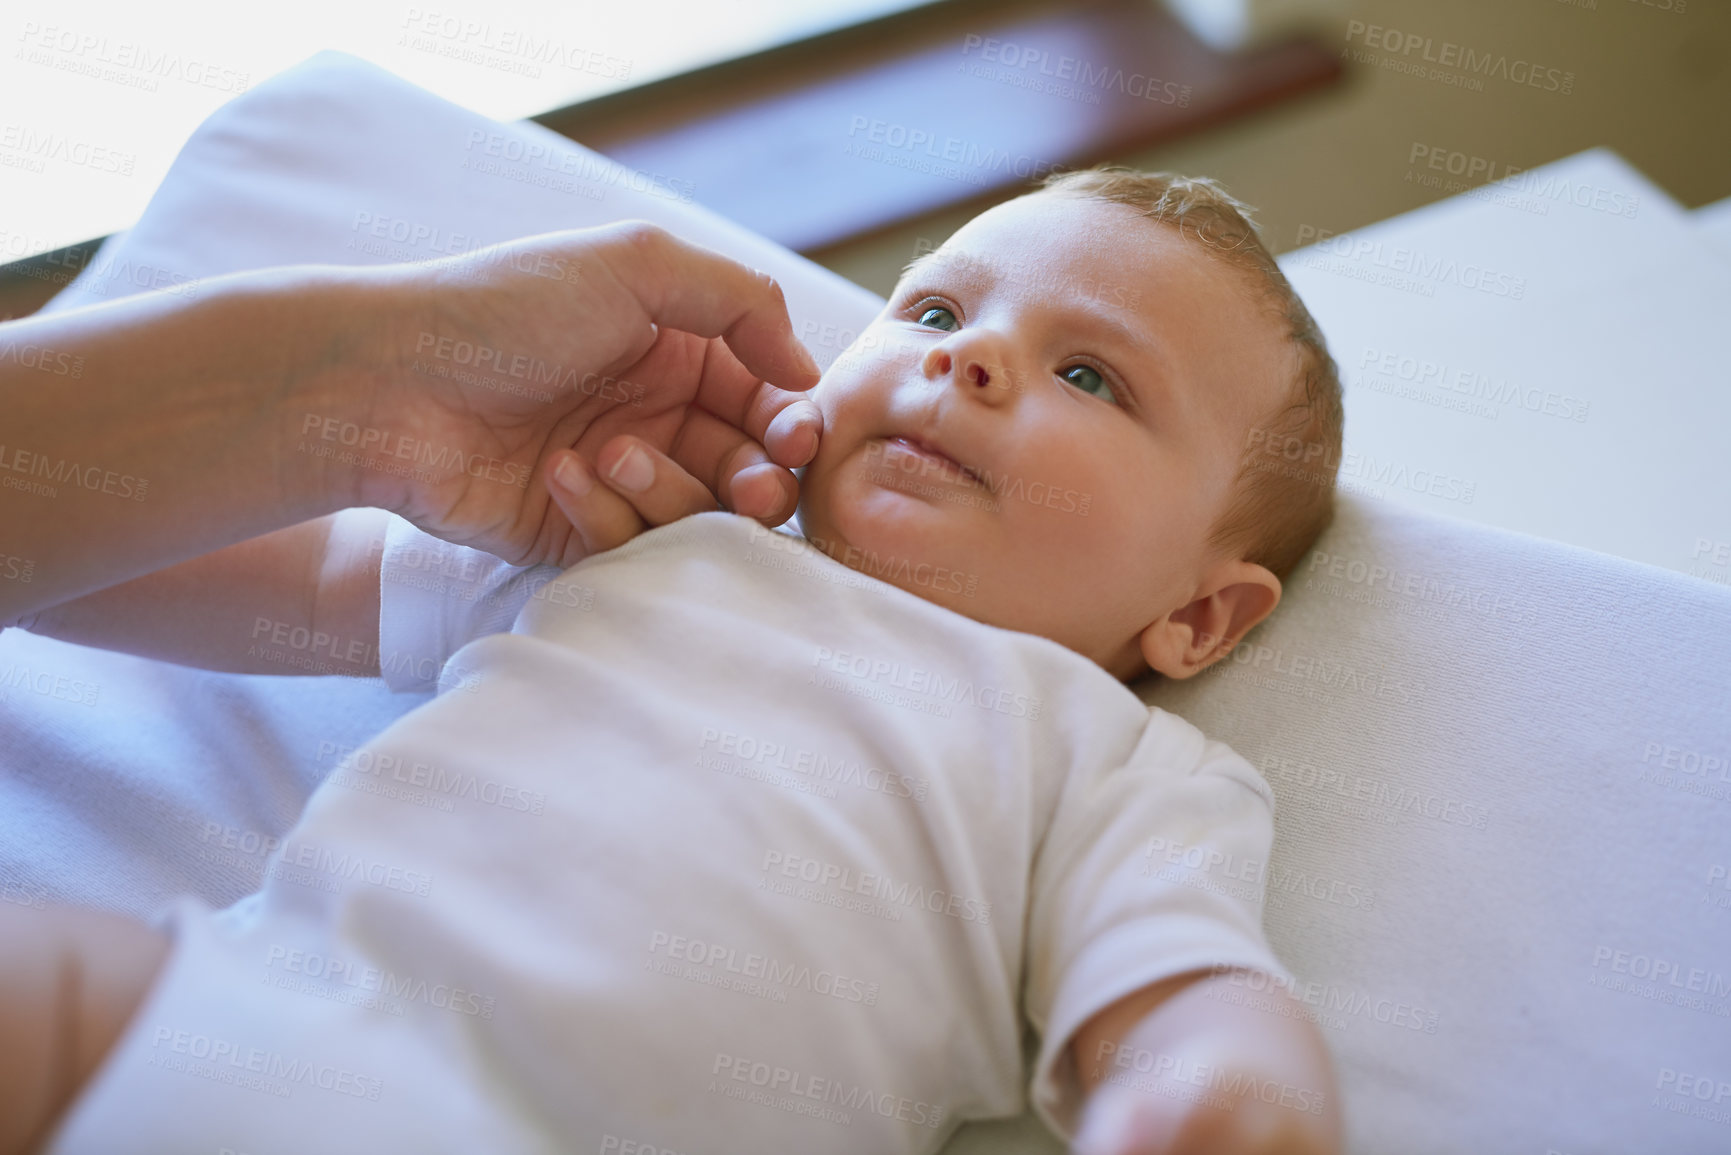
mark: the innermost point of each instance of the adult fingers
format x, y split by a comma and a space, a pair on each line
632, 488
789, 425
601, 518
686, 286
661, 489
735, 468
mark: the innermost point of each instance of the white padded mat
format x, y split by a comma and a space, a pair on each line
1714, 222
1548, 355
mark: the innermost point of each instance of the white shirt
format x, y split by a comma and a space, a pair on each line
725, 847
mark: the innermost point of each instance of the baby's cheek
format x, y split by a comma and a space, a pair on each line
878, 359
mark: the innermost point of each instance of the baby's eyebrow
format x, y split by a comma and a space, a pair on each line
918, 265
936, 263
1156, 366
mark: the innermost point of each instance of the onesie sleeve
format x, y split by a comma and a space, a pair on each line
1149, 869
435, 598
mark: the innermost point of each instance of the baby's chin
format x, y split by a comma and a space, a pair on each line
888, 537
898, 548
854, 515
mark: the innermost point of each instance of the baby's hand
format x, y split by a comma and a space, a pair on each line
1121, 1121
1180, 1068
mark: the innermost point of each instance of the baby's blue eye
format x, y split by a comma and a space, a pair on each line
938, 311
1088, 380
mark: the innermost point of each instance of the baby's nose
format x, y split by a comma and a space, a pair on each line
972, 367
995, 378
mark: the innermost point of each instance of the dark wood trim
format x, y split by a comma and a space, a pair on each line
658, 104
783, 153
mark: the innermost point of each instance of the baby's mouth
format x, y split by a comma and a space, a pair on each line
951, 468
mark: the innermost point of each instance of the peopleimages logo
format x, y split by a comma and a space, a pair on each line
1448, 55
225, 1061
1537, 183
876, 886
763, 967
1101, 77
447, 34
45, 146
1423, 270
85, 53
866, 132
917, 679
60, 471
42, 358
374, 448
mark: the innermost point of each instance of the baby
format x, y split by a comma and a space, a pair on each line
730, 840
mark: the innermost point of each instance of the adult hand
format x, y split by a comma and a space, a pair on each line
620, 353
162, 427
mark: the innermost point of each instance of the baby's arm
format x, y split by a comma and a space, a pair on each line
305, 599
70, 981
1195, 1036
308, 590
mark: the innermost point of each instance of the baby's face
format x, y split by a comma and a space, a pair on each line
1095, 375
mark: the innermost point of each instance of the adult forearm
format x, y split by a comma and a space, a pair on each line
171, 432
290, 602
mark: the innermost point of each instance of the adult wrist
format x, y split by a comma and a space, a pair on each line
180, 439
334, 357
366, 406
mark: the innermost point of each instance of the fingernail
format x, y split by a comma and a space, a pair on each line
774, 504
572, 476
633, 471
815, 428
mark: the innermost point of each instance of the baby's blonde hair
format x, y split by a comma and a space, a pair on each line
1280, 502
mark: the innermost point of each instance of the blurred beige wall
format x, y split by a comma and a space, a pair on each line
1651, 82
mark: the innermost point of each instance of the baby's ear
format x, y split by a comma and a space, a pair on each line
1237, 595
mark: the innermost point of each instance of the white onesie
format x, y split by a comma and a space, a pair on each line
725, 848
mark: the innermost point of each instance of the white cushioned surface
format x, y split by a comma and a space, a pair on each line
1500, 348
1714, 221
1474, 865
1477, 751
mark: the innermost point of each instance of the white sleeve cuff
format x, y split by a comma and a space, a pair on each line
435, 598
1151, 869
